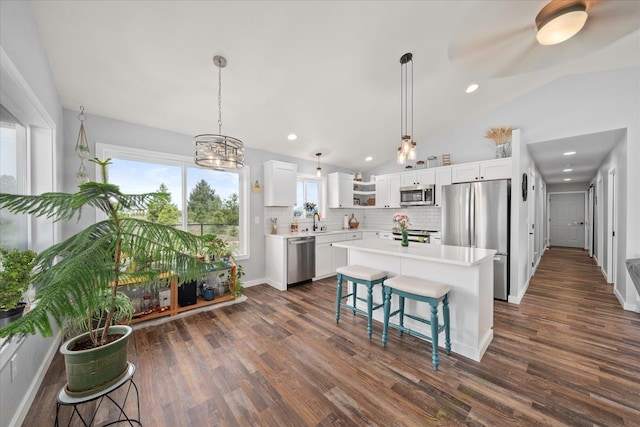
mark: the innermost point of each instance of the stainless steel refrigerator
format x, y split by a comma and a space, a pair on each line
477, 214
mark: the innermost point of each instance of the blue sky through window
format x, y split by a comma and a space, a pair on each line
135, 177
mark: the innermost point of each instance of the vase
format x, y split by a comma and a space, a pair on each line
405, 237
503, 150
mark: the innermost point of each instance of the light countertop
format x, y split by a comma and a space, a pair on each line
421, 251
320, 233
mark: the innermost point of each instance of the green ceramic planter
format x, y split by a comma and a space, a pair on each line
89, 371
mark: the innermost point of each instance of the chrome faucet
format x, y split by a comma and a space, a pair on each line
315, 227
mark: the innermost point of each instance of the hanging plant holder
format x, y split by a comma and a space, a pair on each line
82, 150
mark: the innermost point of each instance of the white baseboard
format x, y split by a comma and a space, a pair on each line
518, 298
255, 282
635, 307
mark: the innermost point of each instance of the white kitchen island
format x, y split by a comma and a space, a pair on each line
469, 271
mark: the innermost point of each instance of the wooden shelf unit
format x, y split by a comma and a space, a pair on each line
174, 308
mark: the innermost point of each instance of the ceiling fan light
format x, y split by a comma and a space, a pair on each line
559, 25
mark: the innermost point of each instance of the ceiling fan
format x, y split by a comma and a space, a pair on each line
498, 38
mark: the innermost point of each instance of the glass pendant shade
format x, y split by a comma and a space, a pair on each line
412, 151
401, 157
406, 144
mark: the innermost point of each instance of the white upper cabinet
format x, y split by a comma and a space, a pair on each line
340, 190
443, 177
418, 177
388, 191
482, 171
496, 169
279, 183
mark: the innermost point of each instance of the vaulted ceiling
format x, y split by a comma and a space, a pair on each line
327, 71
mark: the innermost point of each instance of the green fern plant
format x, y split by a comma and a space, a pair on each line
75, 276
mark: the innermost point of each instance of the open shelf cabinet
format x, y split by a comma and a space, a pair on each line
174, 307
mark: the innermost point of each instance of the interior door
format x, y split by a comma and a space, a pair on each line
567, 219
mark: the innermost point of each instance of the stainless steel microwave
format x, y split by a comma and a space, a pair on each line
416, 195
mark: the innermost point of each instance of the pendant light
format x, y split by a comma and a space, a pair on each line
217, 151
318, 169
407, 149
558, 21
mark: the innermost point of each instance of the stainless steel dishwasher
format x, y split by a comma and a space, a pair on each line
301, 260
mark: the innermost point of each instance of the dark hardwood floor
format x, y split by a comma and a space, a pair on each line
567, 355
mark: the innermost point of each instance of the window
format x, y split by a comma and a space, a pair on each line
13, 179
309, 197
201, 201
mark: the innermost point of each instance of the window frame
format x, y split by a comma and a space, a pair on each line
322, 195
104, 151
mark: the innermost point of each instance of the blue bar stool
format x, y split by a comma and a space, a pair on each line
420, 290
366, 276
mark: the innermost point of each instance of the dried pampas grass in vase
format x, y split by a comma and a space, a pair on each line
501, 137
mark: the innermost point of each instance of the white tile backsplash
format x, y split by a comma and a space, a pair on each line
421, 217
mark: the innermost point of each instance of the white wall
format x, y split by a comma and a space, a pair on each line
623, 287
28, 86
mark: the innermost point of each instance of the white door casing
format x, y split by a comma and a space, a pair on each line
611, 227
589, 221
600, 221
531, 202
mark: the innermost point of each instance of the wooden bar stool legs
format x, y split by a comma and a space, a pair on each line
424, 291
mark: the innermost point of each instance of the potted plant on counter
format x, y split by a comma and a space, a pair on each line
80, 276
15, 276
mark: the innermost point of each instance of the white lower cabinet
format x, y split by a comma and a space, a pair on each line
276, 262
323, 259
328, 258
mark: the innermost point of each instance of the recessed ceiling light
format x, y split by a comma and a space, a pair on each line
567, 170
567, 179
292, 137
472, 87
368, 159
569, 153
